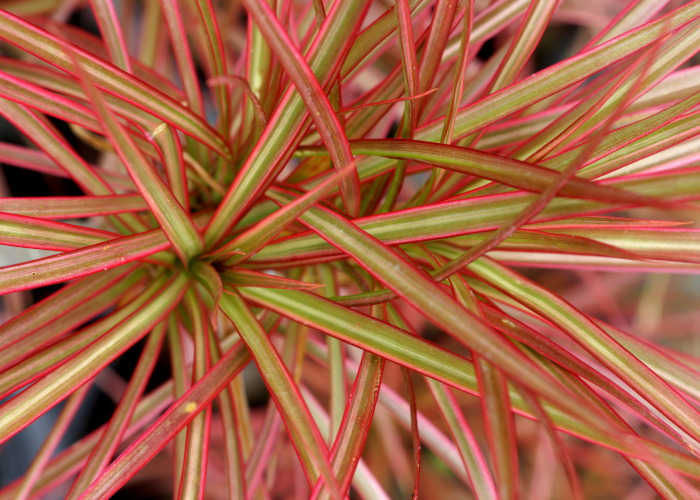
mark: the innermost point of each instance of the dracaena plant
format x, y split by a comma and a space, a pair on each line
306, 186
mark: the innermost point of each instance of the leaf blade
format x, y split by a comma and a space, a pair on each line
288, 399
56, 52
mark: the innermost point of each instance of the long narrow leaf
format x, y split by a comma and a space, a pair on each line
412, 285
176, 223
282, 133
600, 344
24, 408
56, 52
170, 423
117, 426
315, 99
430, 360
69, 207
304, 433
108, 22
82, 262
52, 441
563, 74
58, 304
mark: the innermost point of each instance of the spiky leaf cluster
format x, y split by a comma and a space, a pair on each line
342, 175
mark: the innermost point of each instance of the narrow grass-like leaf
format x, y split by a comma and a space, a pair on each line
94, 45
559, 449
176, 223
346, 451
282, 133
174, 162
262, 71
315, 99
82, 262
183, 57
412, 285
474, 461
411, 88
500, 426
488, 23
498, 418
235, 477
528, 36
363, 480
151, 22
675, 371
211, 280
237, 81
54, 145
217, 58
170, 423
635, 14
497, 168
116, 427
336, 361
106, 18
303, 431
181, 382
28, 232
603, 347
601, 222
549, 242
73, 207
243, 277
388, 101
435, 44
415, 433
268, 437
29, 158
23, 92
249, 242
458, 80
24, 408
194, 470
70, 408
56, 52
371, 36
680, 245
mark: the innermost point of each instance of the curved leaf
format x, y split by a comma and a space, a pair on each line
24, 408
55, 51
